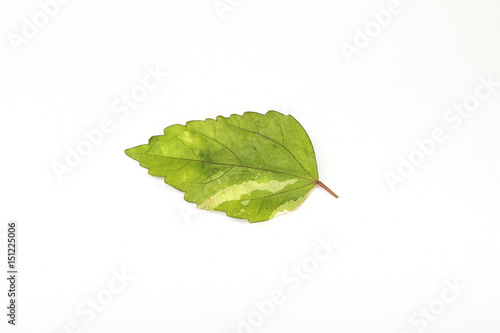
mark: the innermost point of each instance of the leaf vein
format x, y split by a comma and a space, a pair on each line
219, 144
190, 149
205, 183
277, 144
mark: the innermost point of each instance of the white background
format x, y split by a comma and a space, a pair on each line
198, 271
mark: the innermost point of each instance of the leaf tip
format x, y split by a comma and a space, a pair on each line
135, 152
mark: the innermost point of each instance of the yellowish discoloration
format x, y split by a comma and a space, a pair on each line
245, 202
187, 137
289, 206
235, 192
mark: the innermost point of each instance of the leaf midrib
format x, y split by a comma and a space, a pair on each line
234, 165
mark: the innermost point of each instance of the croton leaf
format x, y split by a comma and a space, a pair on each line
252, 166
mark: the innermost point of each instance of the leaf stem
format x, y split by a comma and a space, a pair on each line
327, 189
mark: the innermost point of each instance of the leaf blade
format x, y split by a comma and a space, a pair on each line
244, 165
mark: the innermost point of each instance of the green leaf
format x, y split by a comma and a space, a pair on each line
252, 166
